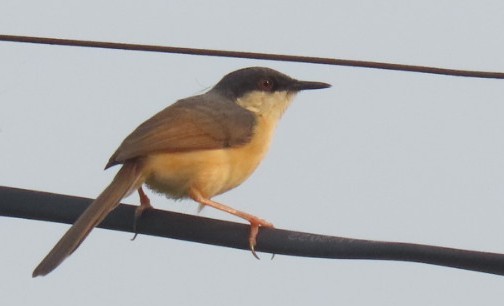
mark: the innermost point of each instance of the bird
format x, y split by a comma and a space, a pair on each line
196, 148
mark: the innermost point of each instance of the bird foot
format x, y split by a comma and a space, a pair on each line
255, 223
144, 205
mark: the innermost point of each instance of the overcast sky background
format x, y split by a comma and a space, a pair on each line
381, 155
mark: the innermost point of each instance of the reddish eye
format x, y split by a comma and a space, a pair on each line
266, 85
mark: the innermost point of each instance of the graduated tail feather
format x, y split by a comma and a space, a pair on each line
126, 180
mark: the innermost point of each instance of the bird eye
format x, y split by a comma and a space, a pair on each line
266, 85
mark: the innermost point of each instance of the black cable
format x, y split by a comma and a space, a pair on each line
52, 207
251, 55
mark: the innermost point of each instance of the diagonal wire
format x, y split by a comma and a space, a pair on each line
52, 207
251, 55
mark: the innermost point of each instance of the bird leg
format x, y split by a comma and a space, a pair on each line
144, 205
255, 222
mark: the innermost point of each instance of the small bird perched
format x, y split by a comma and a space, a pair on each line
197, 148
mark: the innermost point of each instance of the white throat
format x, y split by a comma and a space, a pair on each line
265, 104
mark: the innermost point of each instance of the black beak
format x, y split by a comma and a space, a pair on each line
306, 85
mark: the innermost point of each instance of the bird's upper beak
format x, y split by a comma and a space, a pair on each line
305, 85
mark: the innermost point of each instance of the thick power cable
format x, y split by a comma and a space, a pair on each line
52, 207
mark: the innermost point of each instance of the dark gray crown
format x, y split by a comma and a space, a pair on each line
240, 82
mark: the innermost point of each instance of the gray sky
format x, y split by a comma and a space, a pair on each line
380, 155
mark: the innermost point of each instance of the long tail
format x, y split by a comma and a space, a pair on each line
126, 180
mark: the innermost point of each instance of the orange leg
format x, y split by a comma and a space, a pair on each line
144, 205
255, 222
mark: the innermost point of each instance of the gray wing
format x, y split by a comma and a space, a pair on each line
203, 122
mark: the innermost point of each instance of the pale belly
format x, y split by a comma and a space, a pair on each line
210, 172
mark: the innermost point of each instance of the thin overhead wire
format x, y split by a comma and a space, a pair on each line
252, 55
52, 207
